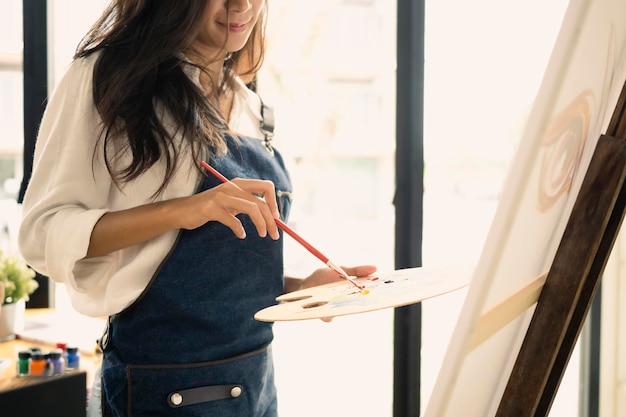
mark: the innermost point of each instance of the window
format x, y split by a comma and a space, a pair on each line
11, 117
330, 74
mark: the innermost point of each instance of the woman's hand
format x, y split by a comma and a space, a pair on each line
256, 198
326, 275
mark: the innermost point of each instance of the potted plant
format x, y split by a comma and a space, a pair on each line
18, 280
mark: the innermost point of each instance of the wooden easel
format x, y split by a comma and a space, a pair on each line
573, 278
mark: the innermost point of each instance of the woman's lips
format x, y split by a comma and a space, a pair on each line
237, 27
234, 27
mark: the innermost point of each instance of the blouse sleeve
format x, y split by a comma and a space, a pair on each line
69, 187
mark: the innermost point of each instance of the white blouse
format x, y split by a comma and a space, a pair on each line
70, 190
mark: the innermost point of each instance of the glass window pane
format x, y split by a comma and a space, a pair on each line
11, 112
11, 27
334, 98
11, 120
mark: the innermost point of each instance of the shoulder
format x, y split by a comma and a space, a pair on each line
81, 68
76, 82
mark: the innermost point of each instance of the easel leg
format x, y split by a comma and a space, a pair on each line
570, 284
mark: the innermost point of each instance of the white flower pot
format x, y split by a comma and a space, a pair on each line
12, 320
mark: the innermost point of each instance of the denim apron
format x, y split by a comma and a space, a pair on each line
189, 345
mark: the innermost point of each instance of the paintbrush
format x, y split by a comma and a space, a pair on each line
282, 225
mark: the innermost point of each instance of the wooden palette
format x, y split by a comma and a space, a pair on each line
392, 289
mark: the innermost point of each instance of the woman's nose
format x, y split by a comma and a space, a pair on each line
239, 5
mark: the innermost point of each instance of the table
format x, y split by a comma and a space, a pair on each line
89, 360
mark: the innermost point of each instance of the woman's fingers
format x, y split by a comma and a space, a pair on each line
263, 195
323, 276
228, 219
263, 189
224, 202
360, 271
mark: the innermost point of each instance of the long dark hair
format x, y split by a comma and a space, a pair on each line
141, 63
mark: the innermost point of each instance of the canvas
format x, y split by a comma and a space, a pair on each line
578, 94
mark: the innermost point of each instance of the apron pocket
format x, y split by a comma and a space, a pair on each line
241, 386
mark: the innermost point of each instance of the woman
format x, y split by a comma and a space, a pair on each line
120, 210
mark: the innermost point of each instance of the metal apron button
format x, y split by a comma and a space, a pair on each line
236, 392
176, 399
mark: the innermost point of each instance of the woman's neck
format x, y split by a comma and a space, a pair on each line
212, 81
